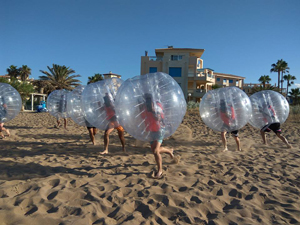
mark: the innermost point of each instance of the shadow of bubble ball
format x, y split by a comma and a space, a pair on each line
57, 103
75, 107
10, 102
98, 102
268, 107
225, 109
151, 106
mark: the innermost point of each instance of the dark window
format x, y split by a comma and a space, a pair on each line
218, 79
230, 81
152, 69
175, 71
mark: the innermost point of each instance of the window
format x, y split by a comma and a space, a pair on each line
176, 57
224, 81
230, 81
152, 69
218, 79
175, 71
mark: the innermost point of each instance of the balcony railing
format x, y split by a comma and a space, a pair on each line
155, 58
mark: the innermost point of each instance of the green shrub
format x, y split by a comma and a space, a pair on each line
192, 105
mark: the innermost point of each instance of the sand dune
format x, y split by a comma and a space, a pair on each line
55, 176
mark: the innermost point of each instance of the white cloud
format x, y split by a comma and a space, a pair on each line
297, 85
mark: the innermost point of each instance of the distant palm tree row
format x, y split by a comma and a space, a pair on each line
281, 67
62, 77
57, 77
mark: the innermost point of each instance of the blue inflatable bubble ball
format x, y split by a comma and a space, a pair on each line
57, 103
268, 107
10, 102
98, 102
225, 109
150, 107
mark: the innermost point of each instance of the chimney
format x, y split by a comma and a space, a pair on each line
170, 46
146, 53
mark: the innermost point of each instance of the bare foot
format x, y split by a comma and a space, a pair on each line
289, 146
239, 149
104, 152
176, 159
172, 153
157, 175
8, 133
225, 149
124, 150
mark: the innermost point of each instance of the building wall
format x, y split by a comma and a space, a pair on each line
189, 80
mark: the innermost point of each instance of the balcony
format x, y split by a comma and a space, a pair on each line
155, 58
202, 77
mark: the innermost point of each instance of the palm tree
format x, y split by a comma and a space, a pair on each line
285, 69
43, 86
25, 71
264, 79
295, 94
280, 66
13, 72
95, 78
290, 80
60, 77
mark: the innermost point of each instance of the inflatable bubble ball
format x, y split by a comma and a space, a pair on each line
150, 107
268, 107
74, 107
98, 103
225, 109
57, 103
10, 102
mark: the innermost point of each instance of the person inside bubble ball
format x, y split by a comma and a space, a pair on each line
3, 112
153, 115
269, 116
113, 124
227, 115
62, 109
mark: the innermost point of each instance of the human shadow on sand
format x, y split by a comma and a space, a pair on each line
10, 170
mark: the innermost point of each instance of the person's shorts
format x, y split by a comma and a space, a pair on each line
116, 126
235, 133
275, 127
158, 135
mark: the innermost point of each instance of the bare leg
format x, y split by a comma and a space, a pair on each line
3, 129
122, 139
263, 135
106, 140
167, 150
224, 141
65, 123
238, 143
91, 133
58, 123
155, 147
284, 140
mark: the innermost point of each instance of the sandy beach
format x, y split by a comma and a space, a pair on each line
55, 176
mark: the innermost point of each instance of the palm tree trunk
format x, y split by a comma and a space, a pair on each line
278, 79
281, 81
287, 88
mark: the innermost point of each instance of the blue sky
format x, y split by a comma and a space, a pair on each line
240, 37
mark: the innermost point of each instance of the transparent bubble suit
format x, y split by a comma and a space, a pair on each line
75, 107
57, 103
98, 102
225, 109
10, 102
151, 106
268, 107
